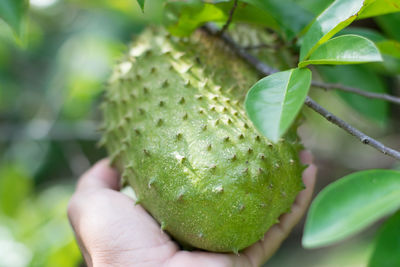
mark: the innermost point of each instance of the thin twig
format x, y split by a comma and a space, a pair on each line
365, 139
264, 69
260, 67
354, 90
261, 46
228, 22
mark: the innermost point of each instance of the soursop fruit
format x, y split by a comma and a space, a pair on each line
175, 127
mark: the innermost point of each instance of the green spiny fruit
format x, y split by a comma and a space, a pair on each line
176, 128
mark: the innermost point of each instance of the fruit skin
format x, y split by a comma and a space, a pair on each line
174, 125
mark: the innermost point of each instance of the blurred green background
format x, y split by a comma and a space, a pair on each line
51, 82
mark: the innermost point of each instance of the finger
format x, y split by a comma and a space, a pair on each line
306, 157
263, 250
101, 175
309, 178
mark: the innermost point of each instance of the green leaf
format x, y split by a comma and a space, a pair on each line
336, 17
385, 46
380, 7
141, 4
389, 49
182, 18
370, 34
12, 12
273, 102
360, 77
387, 246
349, 205
291, 17
286, 17
345, 49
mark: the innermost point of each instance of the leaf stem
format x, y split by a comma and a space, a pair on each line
266, 70
228, 22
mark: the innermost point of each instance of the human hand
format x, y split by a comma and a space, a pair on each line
112, 231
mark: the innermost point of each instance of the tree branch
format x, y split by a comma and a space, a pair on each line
266, 70
365, 139
228, 22
241, 52
354, 90
261, 46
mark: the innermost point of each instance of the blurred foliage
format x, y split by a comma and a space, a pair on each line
361, 77
13, 12
51, 82
387, 246
33, 225
285, 17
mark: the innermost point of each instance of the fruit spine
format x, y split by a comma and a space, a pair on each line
176, 128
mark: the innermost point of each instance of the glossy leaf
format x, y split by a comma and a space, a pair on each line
360, 77
380, 7
349, 205
12, 12
141, 4
345, 49
336, 17
291, 17
387, 246
385, 46
370, 34
273, 102
389, 49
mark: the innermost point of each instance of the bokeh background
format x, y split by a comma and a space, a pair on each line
51, 82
